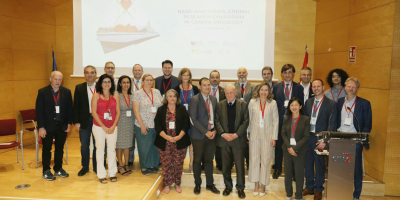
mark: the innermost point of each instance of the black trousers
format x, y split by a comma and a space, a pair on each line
278, 152
294, 166
218, 158
237, 154
203, 149
59, 136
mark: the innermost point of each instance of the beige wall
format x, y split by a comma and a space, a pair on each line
368, 25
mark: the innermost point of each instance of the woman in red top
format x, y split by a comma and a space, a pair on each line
105, 112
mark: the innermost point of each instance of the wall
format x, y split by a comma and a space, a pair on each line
28, 31
368, 25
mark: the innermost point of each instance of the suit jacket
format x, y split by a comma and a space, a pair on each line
241, 123
301, 135
248, 93
325, 112
221, 92
81, 105
362, 111
46, 108
159, 80
198, 114
279, 97
182, 122
178, 90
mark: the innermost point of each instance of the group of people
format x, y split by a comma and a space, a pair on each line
243, 123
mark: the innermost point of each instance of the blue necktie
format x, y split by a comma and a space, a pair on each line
314, 115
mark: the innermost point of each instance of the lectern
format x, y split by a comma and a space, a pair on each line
342, 152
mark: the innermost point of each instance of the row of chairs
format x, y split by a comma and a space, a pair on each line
9, 126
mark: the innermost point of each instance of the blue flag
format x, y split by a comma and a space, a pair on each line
54, 62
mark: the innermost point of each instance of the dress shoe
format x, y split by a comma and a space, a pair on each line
262, 194
197, 190
317, 195
255, 193
213, 189
276, 174
83, 171
227, 191
307, 192
241, 194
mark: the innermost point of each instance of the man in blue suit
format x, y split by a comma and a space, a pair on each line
283, 92
347, 122
322, 112
166, 81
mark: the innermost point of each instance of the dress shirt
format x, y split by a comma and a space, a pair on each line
216, 94
90, 95
345, 115
316, 114
306, 91
211, 108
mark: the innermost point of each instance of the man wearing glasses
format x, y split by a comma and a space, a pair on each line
336, 79
109, 69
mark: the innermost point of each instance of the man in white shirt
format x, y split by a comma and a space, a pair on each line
305, 75
137, 72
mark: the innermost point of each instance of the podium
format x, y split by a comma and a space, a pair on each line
342, 153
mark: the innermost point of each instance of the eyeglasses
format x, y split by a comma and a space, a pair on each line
110, 68
335, 76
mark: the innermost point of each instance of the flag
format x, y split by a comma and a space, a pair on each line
305, 58
54, 62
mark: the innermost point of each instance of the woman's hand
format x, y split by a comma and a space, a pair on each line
171, 139
273, 142
111, 130
105, 129
291, 151
144, 129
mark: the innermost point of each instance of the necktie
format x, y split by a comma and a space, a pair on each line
213, 90
230, 103
287, 90
314, 115
137, 84
243, 90
209, 114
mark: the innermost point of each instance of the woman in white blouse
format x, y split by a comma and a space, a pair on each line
263, 129
145, 104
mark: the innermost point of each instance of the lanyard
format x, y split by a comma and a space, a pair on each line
129, 99
294, 128
290, 90
107, 101
165, 88
54, 97
208, 108
214, 92
337, 95
136, 86
319, 104
187, 91
172, 114
345, 107
92, 90
262, 108
243, 90
152, 102
309, 86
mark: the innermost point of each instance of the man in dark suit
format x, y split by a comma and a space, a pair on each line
244, 91
232, 120
283, 92
54, 119
202, 132
218, 92
305, 75
166, 81
82, 118
267, 73
322, 114
347, 122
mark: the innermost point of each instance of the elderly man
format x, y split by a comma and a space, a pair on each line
244, 91
231, 120
355, 115
54, 119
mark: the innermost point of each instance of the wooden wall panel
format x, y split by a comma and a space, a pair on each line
6, 8
362, 5
296, 60
7, 99
324, 63
64, 39
328, 10
5, 33
365, 68
27, 35
295, 13
34, 10
372, 28
64, 14
32, 65
293, 39
331, 36
6, 60
392, 184
25, 93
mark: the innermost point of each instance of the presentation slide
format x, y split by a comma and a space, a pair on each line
200, 35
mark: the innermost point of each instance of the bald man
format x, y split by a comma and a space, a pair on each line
54, 119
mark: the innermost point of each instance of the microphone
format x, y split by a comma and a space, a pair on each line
329, 122
358, 122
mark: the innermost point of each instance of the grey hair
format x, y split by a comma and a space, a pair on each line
56, 72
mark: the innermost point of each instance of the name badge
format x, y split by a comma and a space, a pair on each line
153, 110
128, 113
171, 125
241, 98
210, 122
347, 121
286, 103
106, 116
261, 121
186, 106
292, 142
163, 96
313, 120
57, 109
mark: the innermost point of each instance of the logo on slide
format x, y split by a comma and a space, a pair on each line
126, 25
